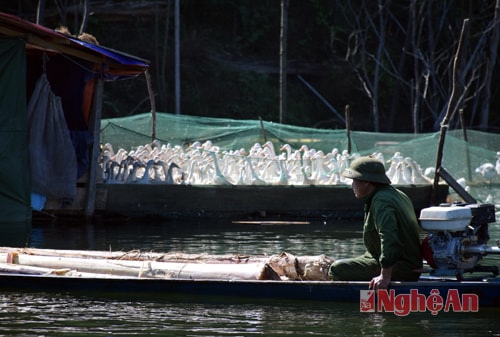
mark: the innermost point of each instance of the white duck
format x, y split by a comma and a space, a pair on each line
219, 178
283, 177
254, 178
487, 171
393, 167
147, 176
319, 174
497, 164
416, 177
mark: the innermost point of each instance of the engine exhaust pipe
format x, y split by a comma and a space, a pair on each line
480, 250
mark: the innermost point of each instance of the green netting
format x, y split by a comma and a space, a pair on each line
460, 158
228, 134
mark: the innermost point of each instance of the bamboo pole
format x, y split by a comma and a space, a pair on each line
171, 265
453, 102
136, 255
146, 269
30, 270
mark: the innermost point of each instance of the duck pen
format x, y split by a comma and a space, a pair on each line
294, 175
220, 167
203, 167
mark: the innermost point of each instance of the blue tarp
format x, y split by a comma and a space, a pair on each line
113, 64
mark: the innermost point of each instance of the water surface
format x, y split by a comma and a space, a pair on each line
61, 314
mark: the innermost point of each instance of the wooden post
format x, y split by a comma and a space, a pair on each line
263, 129
283, 67
348, 127
467, 154
153, 104
95, 129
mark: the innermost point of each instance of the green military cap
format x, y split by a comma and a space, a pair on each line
367, 169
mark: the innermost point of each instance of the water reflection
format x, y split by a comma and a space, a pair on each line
207, 237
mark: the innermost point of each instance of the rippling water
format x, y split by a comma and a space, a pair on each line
62, 314
41, 314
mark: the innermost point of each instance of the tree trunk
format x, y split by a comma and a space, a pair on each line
40, 12
490, 66
85, 17
283, 36
177, 58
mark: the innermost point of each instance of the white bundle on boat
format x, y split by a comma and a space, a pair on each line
151, 269
169, 266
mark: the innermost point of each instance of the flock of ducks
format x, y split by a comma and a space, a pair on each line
206, 164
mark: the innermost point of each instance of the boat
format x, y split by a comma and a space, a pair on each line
139, 275
488, 291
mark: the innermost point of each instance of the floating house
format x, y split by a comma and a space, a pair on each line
50, 111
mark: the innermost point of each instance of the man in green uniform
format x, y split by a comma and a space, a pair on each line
390, 230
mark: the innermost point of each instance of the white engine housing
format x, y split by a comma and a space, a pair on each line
448, 218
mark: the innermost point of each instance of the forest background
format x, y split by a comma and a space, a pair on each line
390, 61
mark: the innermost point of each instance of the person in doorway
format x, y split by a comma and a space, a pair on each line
390, 230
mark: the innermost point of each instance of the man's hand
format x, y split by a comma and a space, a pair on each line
383, 281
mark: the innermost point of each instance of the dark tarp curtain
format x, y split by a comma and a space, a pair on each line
52, 157
68, 79
14, 157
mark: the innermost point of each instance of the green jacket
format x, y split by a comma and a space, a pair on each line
391, 229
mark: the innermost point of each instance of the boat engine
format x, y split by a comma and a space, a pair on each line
457, 239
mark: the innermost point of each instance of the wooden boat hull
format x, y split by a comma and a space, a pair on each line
488, 292
151, 275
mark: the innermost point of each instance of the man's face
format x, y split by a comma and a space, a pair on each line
361, 188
